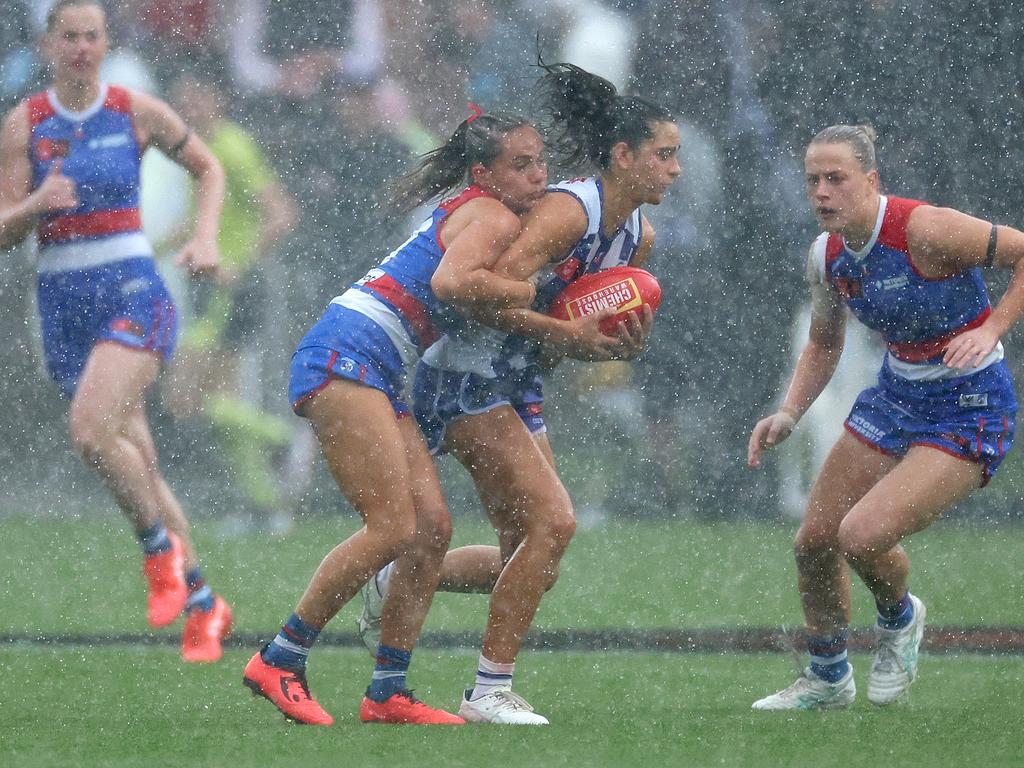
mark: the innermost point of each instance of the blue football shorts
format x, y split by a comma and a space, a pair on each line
971, 417
346, 344
125, 302
441, 398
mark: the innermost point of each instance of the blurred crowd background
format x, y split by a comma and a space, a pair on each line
341, 96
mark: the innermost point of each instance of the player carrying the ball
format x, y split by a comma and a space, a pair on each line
478, 392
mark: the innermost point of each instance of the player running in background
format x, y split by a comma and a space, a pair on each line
936, 425
70, 158
479, 394
347, 379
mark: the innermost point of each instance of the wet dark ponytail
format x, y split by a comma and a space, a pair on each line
476, 140
585, 116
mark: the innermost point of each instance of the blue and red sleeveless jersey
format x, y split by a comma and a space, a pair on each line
99, 150
916, 315
402, 281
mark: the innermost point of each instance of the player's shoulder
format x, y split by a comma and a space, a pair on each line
825, 248
486, 211
17, 123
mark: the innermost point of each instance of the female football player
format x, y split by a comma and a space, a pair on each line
70, 158
936, 425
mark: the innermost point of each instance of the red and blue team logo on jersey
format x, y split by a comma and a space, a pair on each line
48, 150
127, 325
849, 287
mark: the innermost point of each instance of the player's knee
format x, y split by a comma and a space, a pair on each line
556, 528
435, 529
395, 535
87, 438
856, 544
812, 544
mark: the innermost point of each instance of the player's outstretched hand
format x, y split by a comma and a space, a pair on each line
200, 257
768, 433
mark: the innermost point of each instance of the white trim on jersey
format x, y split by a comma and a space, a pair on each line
368, 305
470, 349
938, 371
859, 255
818, 250
77, 117
84, 254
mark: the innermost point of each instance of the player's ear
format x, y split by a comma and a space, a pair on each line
622, 155
477, 172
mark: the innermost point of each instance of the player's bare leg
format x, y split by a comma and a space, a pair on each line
102, 422
510, 470
907, 500
849, 472
377, 462
365, 450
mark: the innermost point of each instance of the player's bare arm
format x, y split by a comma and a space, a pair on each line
944, 241
643, 251
814, 369
634, 330
550, 230
20, 206
161, 127
475, 236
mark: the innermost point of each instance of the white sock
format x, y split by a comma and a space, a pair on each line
491, 676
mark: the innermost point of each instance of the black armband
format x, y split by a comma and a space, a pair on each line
181, 144
990, 254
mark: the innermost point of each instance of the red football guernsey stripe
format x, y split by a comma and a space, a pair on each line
920, 351
472, 192
408, 305
94, 224
39, 108
118, 100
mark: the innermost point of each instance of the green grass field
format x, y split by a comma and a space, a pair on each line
135, 705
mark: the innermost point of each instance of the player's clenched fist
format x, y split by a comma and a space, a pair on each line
56, 192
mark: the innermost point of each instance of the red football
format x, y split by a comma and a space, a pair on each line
627, 288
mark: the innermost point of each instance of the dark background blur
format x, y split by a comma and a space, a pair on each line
343, 96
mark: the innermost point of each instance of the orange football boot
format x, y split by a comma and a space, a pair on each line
165, 573
286, 689
204, 631
405, 709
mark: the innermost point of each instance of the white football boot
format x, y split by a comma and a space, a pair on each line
895, 664
374, 591
501, 707
812, 692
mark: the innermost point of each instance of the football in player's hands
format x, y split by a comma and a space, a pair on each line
624, 288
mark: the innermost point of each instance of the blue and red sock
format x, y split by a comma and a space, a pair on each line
896, 616
154, 539
828, 656
389, 673
200, 596
291, 646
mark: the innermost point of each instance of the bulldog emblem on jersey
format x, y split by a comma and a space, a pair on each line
51, 149
849, 287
